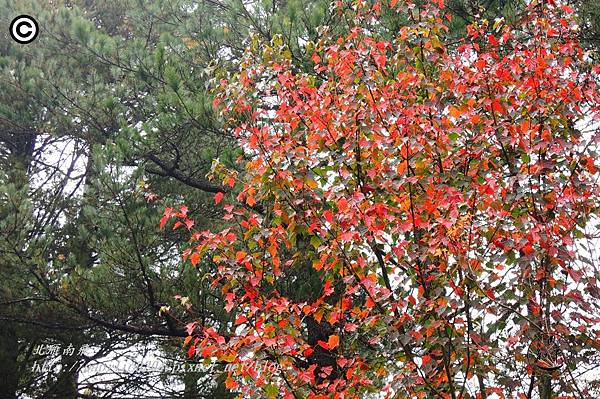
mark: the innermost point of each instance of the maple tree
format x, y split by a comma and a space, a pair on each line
426, 202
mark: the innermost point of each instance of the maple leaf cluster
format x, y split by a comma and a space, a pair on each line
409, 217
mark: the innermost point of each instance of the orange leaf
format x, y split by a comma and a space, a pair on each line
349, 373
454, 112
333, 341
230, 383
239, 256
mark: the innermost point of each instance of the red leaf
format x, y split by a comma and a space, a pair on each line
342, 205
497, 106
166, 215
230, 181
191, 351
328, 215
218, 197
323, 344
490, 294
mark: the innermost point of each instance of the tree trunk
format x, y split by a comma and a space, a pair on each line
545, 385
9, 350
190, 380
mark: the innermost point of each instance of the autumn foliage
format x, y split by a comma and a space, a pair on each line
408, 220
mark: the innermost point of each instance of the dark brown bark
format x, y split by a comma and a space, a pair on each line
9, 379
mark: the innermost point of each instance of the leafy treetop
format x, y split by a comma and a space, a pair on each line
436, 198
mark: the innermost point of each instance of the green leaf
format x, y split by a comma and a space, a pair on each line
315, 241
271, 391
